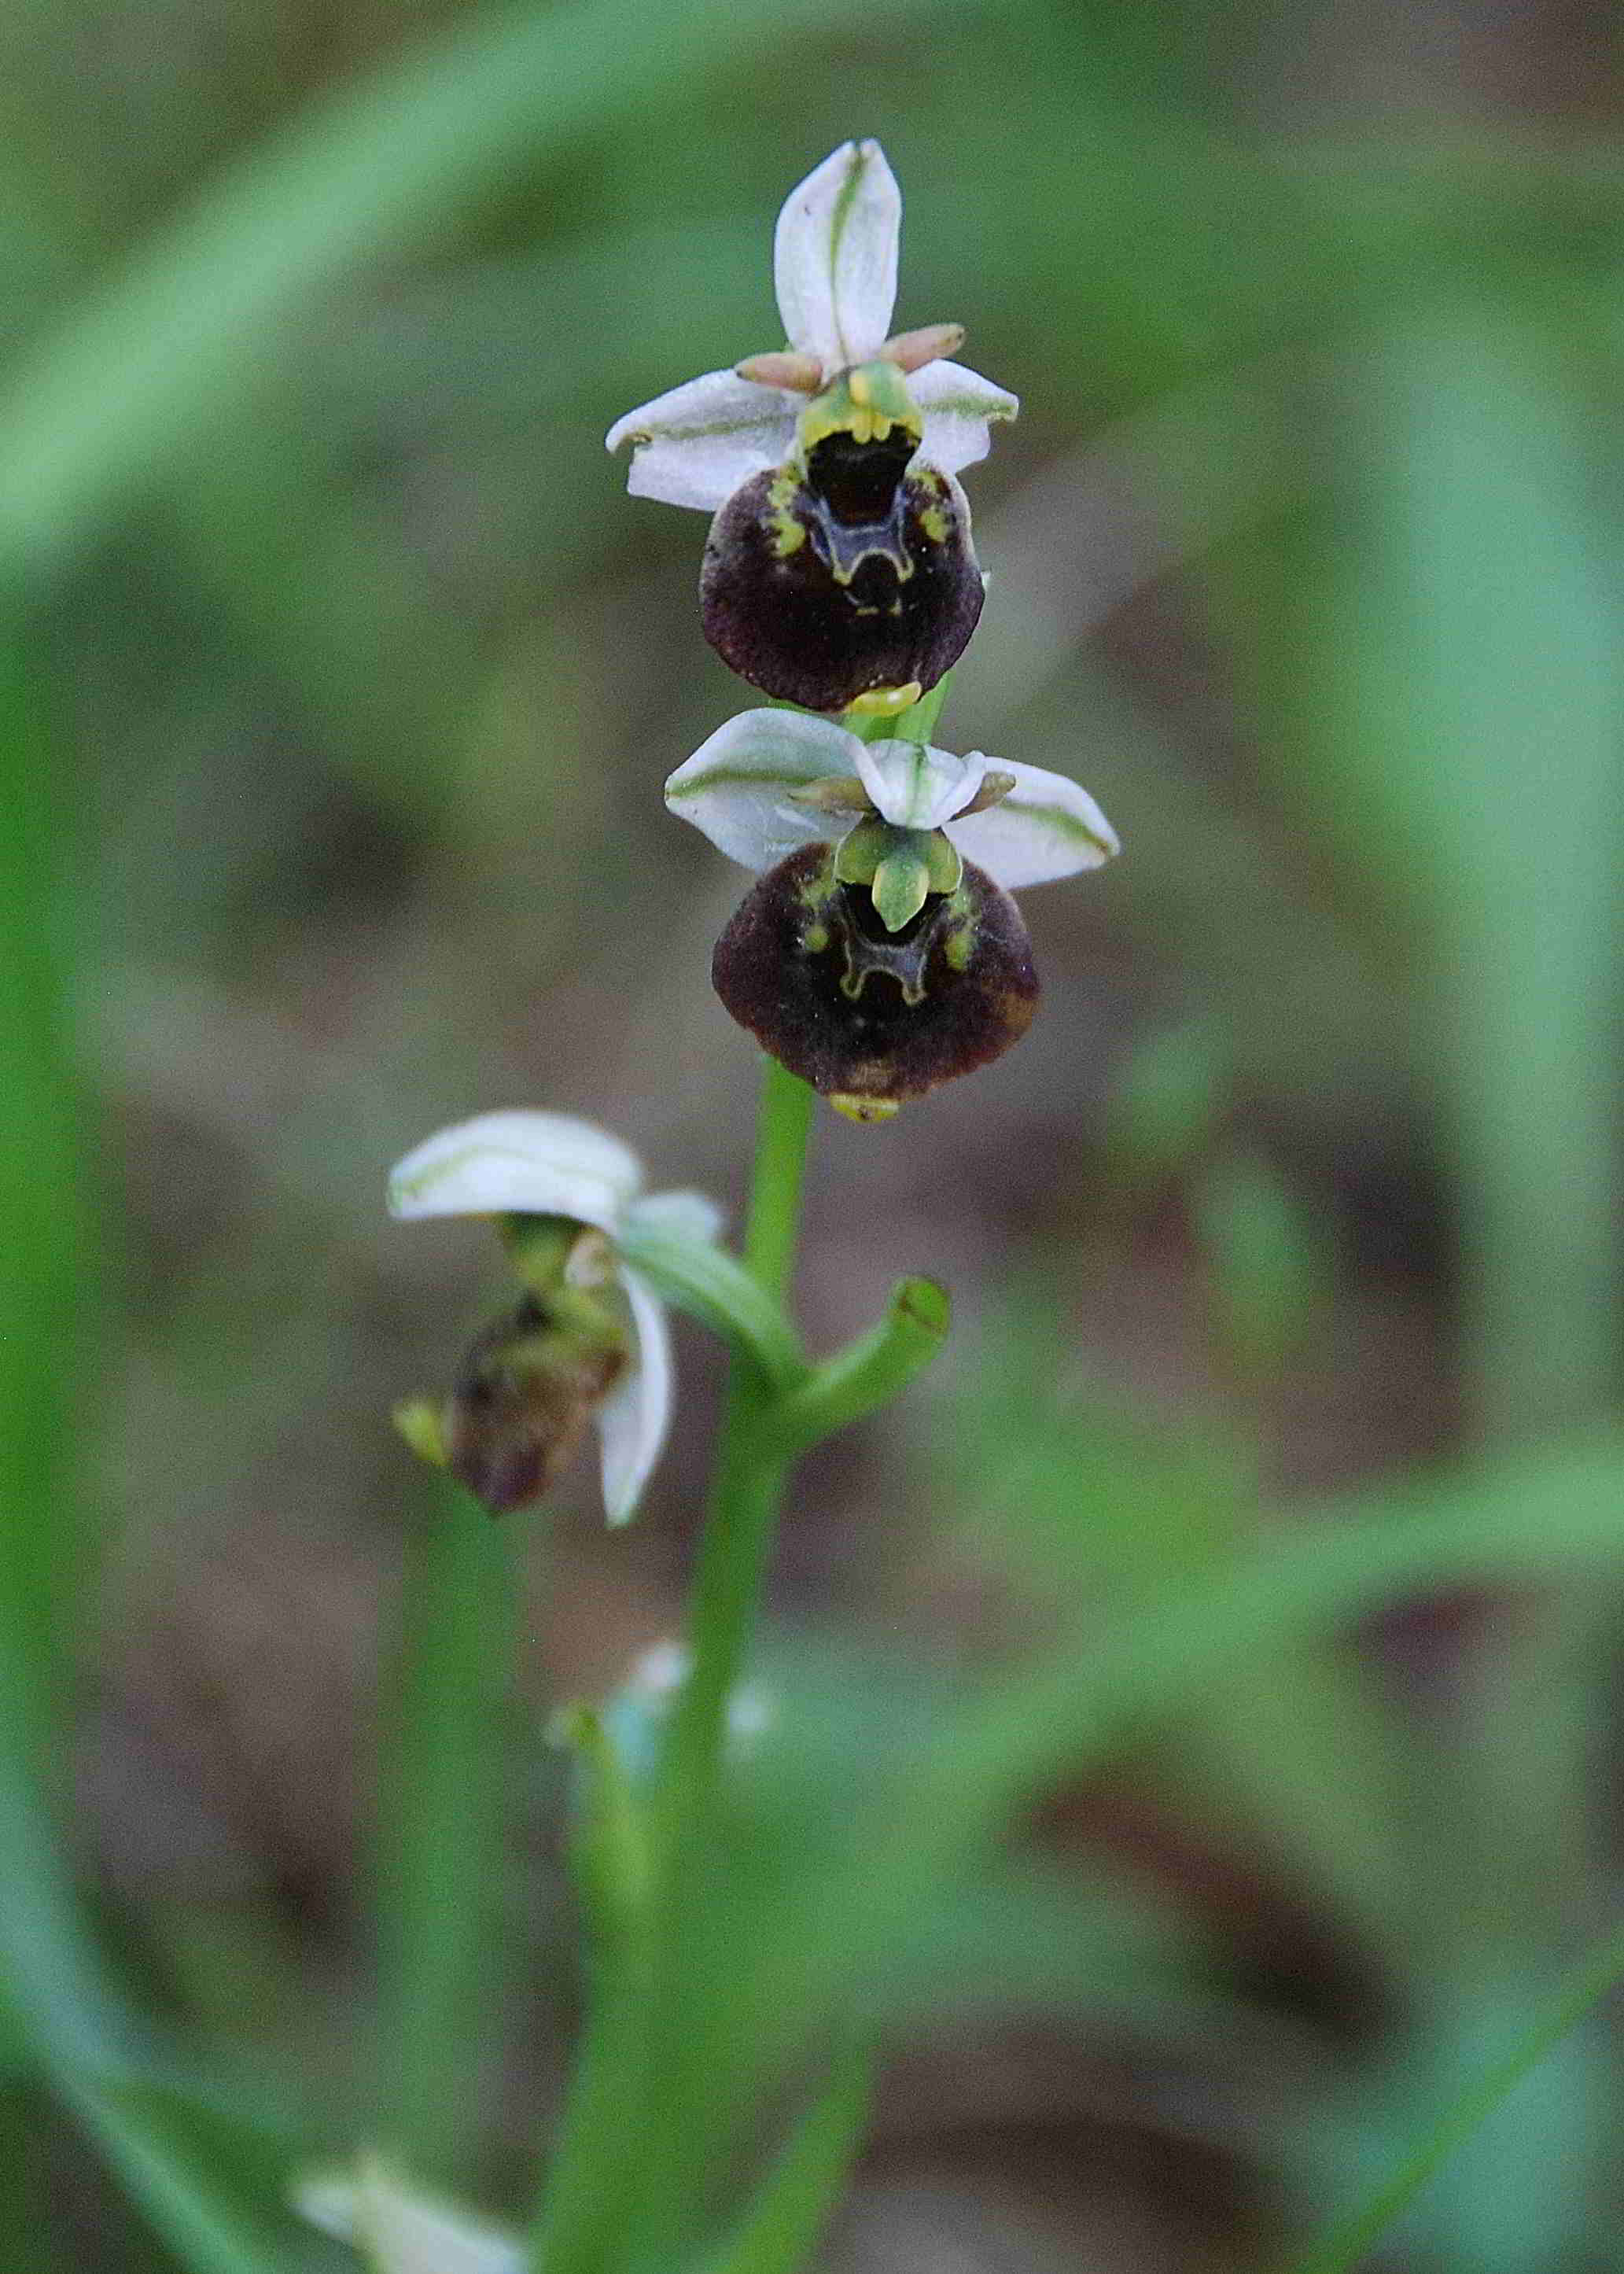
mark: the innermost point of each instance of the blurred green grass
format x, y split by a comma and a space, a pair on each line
341, 679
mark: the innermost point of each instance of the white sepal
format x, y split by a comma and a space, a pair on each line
834, 257
1048, 827
519, 1162
398, 2231
739, 786
698, 444
914, 785
957, 406
634, 1419
688, 1216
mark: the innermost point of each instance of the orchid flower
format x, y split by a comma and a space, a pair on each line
835, 274
839, 562
588, 1340
880, 953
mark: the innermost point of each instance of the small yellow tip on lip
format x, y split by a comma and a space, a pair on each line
865, 1108
886, 702
419, 1422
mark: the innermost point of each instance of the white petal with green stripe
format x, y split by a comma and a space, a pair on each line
739, 785
518, 1163
957, 406
1048, 827
698, 444
834, 257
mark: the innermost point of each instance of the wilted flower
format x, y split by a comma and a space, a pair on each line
881, 953
399, 2230
589, 1339
839, 562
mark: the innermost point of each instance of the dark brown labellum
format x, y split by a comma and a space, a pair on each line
857, 576
863, 1013
520, 1407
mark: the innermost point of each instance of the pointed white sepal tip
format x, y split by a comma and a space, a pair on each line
835, 273
521, 1163
958, 407
835, 258
1047, 828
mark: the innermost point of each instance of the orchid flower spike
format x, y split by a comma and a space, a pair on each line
587, 1340
839, 559
395, 2230
881, 953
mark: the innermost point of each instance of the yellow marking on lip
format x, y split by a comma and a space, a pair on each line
886, 702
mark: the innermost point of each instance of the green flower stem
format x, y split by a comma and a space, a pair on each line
609, 1838
783, 1132
752, 1463
916, 724
621, 2156
919, 724
751, 1471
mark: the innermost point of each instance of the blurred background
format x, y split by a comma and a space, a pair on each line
354, 677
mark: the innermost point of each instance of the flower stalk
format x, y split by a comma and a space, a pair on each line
627, 2078
750, 1469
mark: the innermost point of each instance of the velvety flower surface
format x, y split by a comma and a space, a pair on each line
881, 953
589, 1340
839, 559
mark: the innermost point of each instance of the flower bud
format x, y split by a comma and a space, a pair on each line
870, 1013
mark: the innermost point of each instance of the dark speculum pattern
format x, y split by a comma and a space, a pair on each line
857, 576
861, 1012
520, 1407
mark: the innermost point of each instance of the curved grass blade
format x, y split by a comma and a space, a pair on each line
1351, 2238
359, 178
